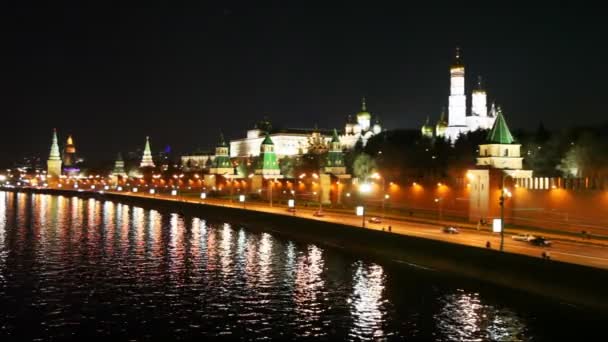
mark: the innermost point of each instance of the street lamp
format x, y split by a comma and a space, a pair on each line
501, 201
438, 200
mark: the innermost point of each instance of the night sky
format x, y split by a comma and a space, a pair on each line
111, 75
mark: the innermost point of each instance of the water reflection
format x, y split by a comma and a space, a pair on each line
367, 302
73, 268
464, 317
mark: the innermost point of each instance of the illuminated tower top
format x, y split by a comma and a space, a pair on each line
69, 146
146, 160
457, 100
54, 155
479, 100
364, 117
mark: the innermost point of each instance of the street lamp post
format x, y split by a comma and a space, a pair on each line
439, 211
502, 208
270, 181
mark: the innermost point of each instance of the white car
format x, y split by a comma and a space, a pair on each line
450, 230
523, 237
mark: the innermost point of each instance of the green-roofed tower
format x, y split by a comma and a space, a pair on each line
335, 157
221, 162
268, 164
500, 151
500, 134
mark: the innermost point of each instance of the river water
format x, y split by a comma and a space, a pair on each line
74, 268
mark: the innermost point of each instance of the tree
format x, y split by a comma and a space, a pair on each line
363, 166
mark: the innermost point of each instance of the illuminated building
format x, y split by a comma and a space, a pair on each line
458, 120
427, 129
69, 158
268, 162
498, 159
146, 160
441, 125
119, 167
222, 164
293, 142
197, 161
501, 151
360, 130
335, 157
54, 161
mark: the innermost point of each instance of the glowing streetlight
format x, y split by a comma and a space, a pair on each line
365, 188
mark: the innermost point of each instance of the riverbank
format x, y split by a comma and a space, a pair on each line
565, 282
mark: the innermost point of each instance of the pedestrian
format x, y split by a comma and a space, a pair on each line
382, 228
478, 224
488, 244
390, 229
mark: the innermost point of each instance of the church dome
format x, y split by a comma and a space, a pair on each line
363, 114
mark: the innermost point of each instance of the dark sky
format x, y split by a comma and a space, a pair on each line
111, 74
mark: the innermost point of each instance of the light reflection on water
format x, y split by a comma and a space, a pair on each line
72, 268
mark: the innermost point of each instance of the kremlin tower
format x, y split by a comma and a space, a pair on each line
54, 161
119, 167
335, 157
268, 164
457, 109
146, 160
69, 157
458, 121
221, 163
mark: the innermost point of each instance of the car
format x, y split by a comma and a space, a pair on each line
540, 241
318, 213
375, 220
523, 237
450, 230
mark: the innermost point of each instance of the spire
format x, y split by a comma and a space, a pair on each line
70, 142
479, 84
267, 140
426, 123
334, 137
146, 160
119, 157
458, 57
222, 142
363, 106
500, 134
54, 155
